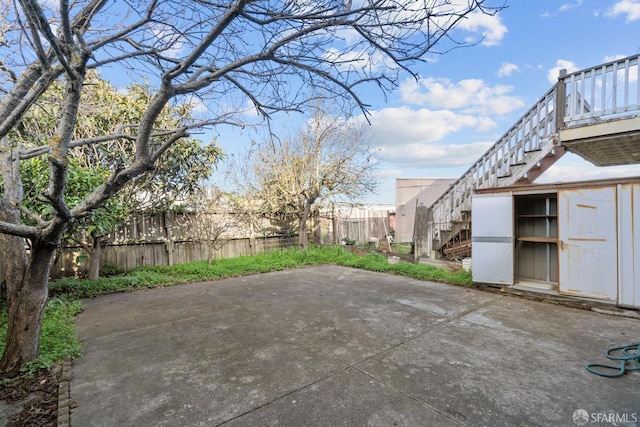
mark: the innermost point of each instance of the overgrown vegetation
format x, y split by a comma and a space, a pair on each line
59, 339
149, 277
402, 248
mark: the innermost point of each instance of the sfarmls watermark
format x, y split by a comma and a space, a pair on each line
582, 418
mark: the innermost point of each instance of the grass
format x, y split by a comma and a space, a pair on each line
59, 339
402, 248
149, 277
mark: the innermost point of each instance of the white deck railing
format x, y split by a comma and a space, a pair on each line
603, 92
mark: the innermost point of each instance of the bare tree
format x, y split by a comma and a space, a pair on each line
221, 52
330, 157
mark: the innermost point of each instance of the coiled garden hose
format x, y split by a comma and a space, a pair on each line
628, 357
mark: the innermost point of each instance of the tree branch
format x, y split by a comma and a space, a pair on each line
40, 23
19, 230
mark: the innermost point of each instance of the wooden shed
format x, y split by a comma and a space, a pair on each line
580, 239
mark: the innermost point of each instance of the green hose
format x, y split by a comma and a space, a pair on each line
627, 355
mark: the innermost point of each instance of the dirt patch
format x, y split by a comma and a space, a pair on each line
36, 399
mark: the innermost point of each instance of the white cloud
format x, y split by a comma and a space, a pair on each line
348, 35
566, 6
571, 168
628, 8
560, 65
250, 109
435, 155
489, 26
469, 95
402, 126
507, 68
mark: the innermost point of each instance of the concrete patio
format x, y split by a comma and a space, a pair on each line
327, 346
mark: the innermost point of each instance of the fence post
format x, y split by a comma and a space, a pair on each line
168, 238
421, 227
334, 224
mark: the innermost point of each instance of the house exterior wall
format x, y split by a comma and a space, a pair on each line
410, 192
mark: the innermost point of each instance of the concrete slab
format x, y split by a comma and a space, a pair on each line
115, 313
347, 314
327, 346
513, 363
7, 411
190, 372
348, 398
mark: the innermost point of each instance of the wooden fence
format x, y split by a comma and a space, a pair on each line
355, 224
169, 238
72, 262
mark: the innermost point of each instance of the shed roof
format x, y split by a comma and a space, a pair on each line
553, 187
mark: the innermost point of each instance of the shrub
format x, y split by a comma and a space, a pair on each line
110, 269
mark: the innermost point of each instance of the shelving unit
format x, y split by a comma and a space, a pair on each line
537, 239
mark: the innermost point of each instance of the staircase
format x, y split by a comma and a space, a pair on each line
571, 116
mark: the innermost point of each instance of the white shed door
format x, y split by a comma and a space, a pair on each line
588, 245
492, 248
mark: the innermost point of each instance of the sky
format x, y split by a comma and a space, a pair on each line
466, 99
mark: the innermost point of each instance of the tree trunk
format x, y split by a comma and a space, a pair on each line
94, 258
317, 230
303, 237
26, 309
210, 251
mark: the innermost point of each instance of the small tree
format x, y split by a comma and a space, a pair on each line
330, 157
185, 166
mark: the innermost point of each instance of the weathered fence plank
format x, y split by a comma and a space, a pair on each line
133, 255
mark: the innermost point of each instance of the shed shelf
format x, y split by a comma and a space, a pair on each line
536, 229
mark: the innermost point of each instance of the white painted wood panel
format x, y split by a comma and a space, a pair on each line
492, 249
588, 242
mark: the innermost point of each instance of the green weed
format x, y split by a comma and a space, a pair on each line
58, 339
148, 277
